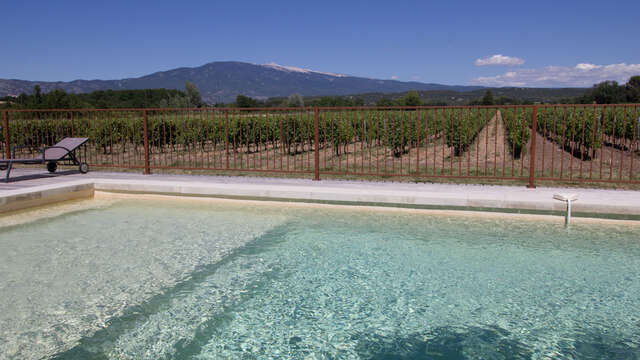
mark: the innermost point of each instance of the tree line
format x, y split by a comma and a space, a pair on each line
607, 92
411, 98
107, 99
610, 92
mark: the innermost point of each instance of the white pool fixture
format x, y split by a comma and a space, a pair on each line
568, 198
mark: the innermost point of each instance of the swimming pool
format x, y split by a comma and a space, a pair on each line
196, 279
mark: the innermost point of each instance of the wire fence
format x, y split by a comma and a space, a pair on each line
577, 143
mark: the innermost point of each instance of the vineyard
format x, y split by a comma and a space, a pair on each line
518, 124
479, 142
601, 142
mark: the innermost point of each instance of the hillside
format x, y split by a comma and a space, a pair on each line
532, 95
223, 81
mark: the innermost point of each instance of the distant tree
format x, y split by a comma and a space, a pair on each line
35, 100
412, 98
606, 92
344, 101
487, 99
194, 98
504, 100
22, 100
325, 101
295, 100
56, 99
177, 101
37, 91
633, 89
245, 102
275, 102
386, 102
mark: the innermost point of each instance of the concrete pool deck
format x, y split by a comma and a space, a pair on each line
34, 189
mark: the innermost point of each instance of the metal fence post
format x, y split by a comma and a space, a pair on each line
317, 144
532, 164
7, 143
147, 168
226, 138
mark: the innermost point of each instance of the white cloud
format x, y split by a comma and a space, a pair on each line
581, 75
394, 77
500, 59
586, 66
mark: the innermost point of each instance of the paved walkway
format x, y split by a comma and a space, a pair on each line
490, 197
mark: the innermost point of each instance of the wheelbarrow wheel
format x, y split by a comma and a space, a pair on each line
52, 166
84, 167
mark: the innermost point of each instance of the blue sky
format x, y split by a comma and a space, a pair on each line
547, 43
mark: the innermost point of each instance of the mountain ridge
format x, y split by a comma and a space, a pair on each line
222, 81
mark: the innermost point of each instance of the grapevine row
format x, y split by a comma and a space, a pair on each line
399, 130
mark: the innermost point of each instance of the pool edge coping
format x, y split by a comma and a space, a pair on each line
508, 202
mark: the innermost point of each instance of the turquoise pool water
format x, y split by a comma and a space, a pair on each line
150, 279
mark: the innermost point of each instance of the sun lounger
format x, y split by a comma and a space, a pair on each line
51, 155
